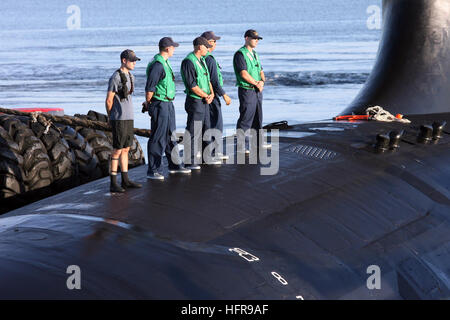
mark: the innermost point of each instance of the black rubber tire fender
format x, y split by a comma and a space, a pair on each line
36, 163
136, 155
87, 161
96, 116
100, 142
64, 164
11, 173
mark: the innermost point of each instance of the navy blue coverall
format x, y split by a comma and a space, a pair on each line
162, 124
196, 110
250, 101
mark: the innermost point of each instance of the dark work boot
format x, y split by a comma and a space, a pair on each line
114, 187
127, 183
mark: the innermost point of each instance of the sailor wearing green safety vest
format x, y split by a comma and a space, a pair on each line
215, 72
160, 92
250, 82
199, 94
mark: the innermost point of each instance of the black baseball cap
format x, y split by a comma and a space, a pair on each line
129, 55
209, 35
167, 42
252, 34
201, 41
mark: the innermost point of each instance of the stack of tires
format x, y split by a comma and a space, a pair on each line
135, 156
35, 164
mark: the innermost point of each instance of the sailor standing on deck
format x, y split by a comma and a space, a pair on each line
217, 84
250, 82
119, 107
159, 94
199, 94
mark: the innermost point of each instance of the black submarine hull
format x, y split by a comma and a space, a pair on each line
336, 208
311, 231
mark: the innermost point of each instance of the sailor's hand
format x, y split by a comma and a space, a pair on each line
260, 85
227, 99
210, 98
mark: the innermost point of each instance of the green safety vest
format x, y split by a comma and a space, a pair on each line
203, 77
165, 89
219, 73
253, 68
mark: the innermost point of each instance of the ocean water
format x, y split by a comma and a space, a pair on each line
316, 54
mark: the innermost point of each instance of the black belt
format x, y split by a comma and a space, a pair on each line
250, 87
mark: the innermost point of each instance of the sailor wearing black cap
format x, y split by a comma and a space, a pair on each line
159, 94
250, 80
217, 84
119, 107
199, 94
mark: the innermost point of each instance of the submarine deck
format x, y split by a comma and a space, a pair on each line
332, 196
